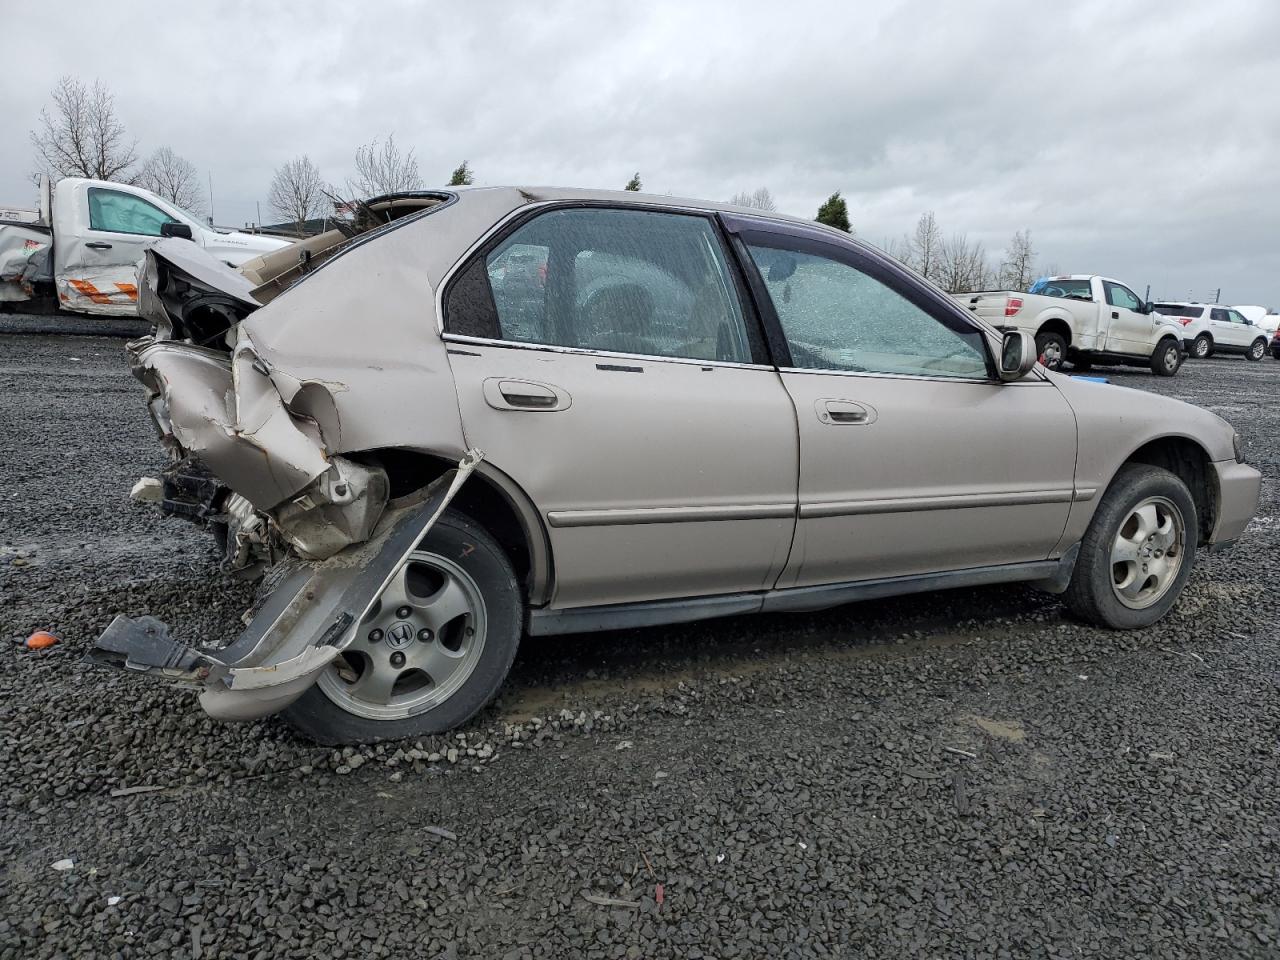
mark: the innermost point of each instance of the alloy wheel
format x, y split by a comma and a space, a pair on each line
418, 644
1147, 553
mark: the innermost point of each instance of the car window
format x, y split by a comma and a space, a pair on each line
1121, 296
623, 281
837, 317
1063, 287
1178, 310
1237, 317
119, 212
1219, 315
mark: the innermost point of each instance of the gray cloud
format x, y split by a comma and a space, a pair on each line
1137, 139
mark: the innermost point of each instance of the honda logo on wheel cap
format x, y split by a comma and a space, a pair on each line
400, 635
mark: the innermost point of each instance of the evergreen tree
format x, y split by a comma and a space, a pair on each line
634, 183
462, 176
835, 213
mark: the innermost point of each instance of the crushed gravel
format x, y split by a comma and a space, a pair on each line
963, 774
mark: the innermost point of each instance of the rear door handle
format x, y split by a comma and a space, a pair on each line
845, 412
503, 394
98, 245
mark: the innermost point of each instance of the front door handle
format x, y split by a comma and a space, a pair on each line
1115, 315
98, 245
845, 412
504, 394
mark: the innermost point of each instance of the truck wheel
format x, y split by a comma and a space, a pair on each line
1052, 348
1137, 554
1257, 349
433, 651
1202, 347
1167, 358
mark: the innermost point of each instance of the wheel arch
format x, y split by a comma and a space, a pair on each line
1189, 461
1055, 324
491, 498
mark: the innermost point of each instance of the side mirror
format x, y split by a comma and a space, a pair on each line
175, 229
1018, 355
1146, 308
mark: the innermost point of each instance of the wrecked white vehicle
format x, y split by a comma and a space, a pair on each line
685, 411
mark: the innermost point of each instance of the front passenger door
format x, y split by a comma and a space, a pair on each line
1130, 331
914, 458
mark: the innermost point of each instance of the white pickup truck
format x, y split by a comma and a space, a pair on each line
1085, 320
81, 249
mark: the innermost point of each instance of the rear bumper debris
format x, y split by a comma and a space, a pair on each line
307, 615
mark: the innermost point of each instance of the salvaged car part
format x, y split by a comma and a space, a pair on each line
687, 411
306, 618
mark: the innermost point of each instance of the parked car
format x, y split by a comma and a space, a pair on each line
705, 412
80, 251
1084, 320
1209, 328
1275, 344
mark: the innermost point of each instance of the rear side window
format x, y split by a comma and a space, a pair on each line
1178, 310
1063, 287
621, 281
1221, 316
118, 212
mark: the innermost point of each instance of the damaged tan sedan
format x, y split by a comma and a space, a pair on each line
470, 416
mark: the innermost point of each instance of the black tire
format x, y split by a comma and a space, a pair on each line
1202, 347
1257, 350
1056, 346
1167, 358
457, 537
1091, 594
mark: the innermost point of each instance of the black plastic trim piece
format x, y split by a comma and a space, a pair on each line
1045, 574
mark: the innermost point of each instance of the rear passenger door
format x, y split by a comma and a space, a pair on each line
606, 359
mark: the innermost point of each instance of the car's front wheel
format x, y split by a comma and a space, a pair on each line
1202, 347
1137, 554
433, 650
1257, 349
1166, 359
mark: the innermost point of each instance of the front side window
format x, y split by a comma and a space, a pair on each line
1237, 317
1121, 296
622, 281
118, 212
837, 317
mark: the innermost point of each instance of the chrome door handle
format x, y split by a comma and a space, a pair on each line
845, 412
98, 245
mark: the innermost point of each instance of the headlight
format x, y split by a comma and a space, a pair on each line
1238, 445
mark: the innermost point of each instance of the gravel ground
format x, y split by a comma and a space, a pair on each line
964, 774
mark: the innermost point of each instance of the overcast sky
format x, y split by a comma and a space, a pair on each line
1137, 139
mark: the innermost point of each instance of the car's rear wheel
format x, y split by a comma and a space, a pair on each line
433, 650
1137, 554
1166, 359
1052, 349
1257, 349
1202, 347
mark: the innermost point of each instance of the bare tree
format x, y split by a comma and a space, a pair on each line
174, 178
963, 266
383, 169
1018, 268
925, 247
760, 199
83, 137
297, 193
